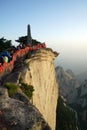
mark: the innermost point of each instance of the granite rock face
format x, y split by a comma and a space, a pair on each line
37, 70
17, 115
40, 72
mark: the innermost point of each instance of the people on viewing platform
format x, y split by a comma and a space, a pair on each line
9, 57
9, 54
5, 53
5, 59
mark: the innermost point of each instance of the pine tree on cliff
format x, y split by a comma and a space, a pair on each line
4, 44
27, 40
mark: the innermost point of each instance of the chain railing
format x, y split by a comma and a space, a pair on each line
18, 54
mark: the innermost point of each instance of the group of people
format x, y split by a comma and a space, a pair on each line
5, 57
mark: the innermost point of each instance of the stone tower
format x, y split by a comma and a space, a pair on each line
29, 38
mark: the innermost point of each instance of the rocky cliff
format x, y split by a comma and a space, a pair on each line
81, 105
67, 118
38, 70
40, 73
18, 114
68, 84
82, 76
74, 93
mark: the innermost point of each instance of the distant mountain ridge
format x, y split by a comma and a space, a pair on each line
81, 105
82, 76
82, 94
67, 84
74, 93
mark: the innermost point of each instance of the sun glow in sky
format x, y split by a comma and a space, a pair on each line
62, 24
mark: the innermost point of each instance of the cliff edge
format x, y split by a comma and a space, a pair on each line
38, 70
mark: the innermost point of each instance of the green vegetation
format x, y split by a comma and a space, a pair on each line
65, 117
80, 111
27, 89
4, 44
12, 88
23, 40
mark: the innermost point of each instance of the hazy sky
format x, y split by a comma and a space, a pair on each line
62, 24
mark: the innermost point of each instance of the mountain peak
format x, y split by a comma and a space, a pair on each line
67, 84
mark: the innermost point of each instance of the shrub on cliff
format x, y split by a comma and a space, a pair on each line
12, 88
27, 89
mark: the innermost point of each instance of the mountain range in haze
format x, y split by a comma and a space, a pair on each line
73, 89
82, 76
